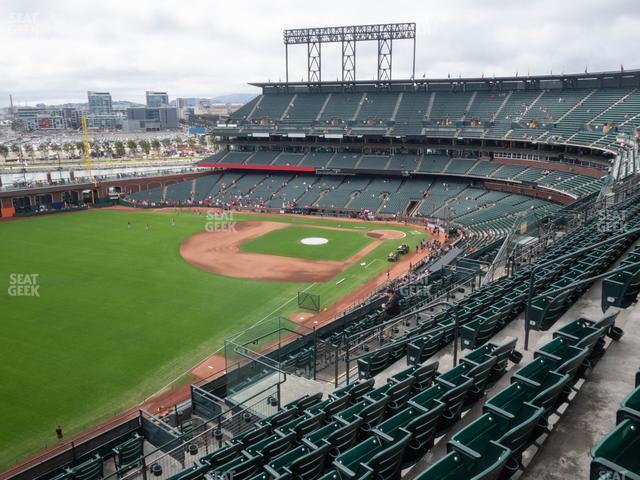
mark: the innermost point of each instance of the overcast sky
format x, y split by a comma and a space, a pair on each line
55, 50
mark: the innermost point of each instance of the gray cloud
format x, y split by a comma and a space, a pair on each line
56, 50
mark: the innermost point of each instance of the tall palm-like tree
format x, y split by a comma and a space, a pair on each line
107, 148
95, 149
145, 146
43, 148
17, 150
155, 144
28, 149
132, 146
120, 150
67, 148
56, 149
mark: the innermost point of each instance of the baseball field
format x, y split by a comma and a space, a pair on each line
101, 309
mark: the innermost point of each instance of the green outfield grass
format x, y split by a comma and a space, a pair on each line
120, 315
287, 243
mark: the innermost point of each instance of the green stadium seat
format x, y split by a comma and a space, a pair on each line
502, 352
515, 433
272, 446
330, 475
302, 425
397, 392
369, 411
478, 373
621, 289
421, 349
448, 330
548, 395
252, 435
546, 310
477, 332
341, 437
578, 332
261, 476
404, 374
374, 363
459, 466
630, 407
589, 338
537, 371
304, 402
195, 472
88, 470
552, 387
329, 407
569, 359
128, 454
375, 453
280, 418
221, 455
424, 376
354, 391
301, 463
242, 467
452, 395
616, 455
421, 422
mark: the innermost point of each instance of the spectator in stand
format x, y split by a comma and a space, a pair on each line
392, 305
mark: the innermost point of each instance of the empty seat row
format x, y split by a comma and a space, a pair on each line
492, 446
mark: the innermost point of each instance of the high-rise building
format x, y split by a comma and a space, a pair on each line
157, 99
100, 103
101, 114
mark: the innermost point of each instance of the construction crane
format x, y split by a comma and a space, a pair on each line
87, 156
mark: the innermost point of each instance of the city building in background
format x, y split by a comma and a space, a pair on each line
151, 119
157, 99
101, 113
72, 118
31, 118
185, 108
100, 103
104, 114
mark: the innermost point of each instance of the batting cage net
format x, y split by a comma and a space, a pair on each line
309, 301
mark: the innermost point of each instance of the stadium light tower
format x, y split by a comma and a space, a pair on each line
348, 36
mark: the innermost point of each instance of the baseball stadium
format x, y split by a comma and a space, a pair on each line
421, 278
